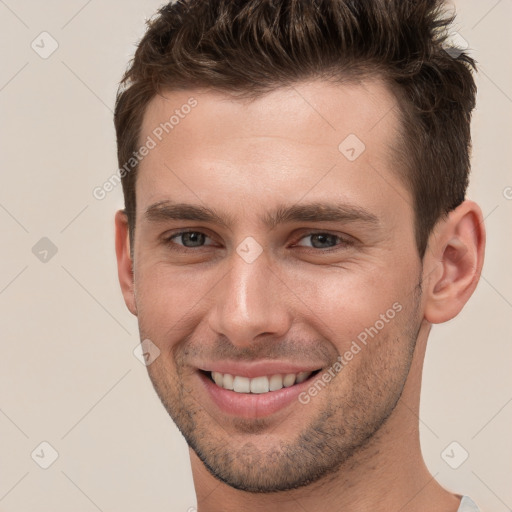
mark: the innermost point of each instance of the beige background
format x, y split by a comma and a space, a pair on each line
68, 375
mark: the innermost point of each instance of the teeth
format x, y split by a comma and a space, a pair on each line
275, 382
258, 385
218, 378
302, 376
228, 381
289, 380
241, 384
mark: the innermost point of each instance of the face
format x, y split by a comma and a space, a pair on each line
274, 251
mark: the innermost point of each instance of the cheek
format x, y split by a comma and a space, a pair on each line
343, 303
167, 297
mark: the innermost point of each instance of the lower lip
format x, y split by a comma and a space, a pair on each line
253, 405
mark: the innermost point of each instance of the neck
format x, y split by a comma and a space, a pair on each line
387, 474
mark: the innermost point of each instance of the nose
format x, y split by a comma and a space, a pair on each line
251, 301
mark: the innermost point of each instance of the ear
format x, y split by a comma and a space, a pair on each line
455, 257
124, 261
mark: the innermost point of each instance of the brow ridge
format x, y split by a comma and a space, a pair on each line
283, 214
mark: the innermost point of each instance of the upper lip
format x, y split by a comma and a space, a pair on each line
258, 368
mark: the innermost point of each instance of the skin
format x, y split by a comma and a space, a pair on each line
356, 443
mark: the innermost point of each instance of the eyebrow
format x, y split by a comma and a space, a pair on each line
310, 212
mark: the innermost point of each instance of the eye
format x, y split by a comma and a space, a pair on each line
325, 241
189, 239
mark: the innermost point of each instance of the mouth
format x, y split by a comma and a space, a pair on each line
254, 397
258, 385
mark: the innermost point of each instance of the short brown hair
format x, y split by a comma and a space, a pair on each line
255, 46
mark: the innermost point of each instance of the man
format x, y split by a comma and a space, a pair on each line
294, 177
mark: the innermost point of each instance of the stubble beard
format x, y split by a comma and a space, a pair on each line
320, 448
335, 437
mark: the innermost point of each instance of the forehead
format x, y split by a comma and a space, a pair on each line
280, 145
354, 107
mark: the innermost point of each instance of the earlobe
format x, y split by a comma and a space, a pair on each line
456, 251
124, 261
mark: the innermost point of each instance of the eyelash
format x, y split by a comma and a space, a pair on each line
342, 242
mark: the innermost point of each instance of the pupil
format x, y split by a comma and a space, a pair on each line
324, 239
195, 239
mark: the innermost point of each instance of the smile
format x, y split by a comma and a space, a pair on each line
259, 385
